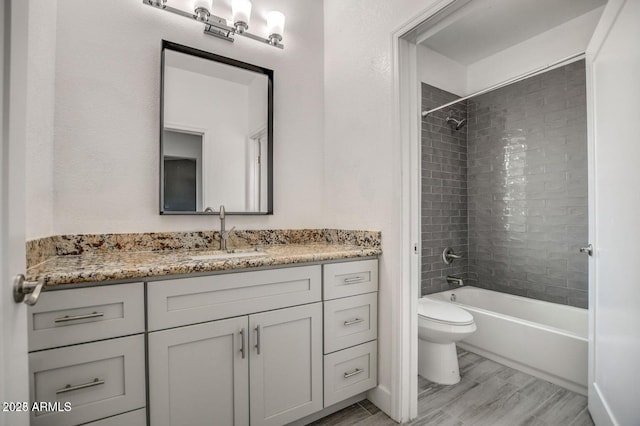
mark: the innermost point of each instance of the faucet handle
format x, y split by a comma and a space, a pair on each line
448, 255
225, 234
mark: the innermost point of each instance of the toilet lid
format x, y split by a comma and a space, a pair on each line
443, 312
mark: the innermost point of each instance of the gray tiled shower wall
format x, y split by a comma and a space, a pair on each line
527, 189
444, 190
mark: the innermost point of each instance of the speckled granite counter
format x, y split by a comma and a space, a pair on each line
100, 262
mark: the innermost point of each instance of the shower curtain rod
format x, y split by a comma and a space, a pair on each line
507, 82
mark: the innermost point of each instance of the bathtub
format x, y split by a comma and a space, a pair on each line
543, 339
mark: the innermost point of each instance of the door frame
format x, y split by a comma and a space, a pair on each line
406, 128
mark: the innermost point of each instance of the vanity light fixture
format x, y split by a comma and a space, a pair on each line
241, 14
218, 27
275, 27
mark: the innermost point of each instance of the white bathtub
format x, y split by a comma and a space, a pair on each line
543, 339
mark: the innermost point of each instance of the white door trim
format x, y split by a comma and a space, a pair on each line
406, 129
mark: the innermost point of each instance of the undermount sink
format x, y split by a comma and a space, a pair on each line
220, 254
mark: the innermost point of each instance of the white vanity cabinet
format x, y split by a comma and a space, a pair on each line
350, 292
99, 378
199, 374
263, 368
256, 348
286, 365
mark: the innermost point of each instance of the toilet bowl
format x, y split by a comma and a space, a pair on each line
440, 325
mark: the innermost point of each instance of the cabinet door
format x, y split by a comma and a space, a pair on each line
199, 374
286, 364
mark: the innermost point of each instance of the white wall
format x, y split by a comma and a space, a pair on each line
549, 47
39, 188
362, 154
219, 109
440, 71
106, 132
258, 99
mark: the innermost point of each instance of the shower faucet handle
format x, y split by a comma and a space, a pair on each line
448, 255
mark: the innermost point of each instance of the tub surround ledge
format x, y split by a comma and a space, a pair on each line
72, 259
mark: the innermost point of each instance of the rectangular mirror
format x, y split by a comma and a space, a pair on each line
216, 134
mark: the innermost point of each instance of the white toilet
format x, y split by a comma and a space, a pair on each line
440, 325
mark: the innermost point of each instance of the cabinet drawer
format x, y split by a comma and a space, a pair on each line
99, 380
66, 317
132, 418
350, 278
350, 372
350, 321
173, 303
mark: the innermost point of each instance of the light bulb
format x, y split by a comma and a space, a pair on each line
241, 11
275, 26
202, 9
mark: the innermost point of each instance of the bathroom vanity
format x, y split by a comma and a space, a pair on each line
244, 345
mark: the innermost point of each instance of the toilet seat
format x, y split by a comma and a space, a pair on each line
443, 312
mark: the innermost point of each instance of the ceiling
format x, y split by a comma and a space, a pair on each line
210, 68
485, 27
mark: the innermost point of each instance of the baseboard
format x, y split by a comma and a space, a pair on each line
599, 409
380, 396
329, 410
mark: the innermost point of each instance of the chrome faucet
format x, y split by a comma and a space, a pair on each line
452, 279
224, 234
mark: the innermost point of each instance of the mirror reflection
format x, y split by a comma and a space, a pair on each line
216, 146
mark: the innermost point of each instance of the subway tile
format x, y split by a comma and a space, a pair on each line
543, 184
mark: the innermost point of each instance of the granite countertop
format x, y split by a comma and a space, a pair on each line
120, 265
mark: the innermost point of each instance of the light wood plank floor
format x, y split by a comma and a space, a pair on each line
489, 394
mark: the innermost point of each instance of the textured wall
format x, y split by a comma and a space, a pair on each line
444, 190
104, 161
527, 174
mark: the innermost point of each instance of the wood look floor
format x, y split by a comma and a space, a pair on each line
488, 394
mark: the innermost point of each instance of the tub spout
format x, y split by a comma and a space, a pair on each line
452, 279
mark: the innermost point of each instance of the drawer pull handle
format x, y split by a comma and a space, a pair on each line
353, 373
353, 280
69, 388
242, 343
353, 321
79, 317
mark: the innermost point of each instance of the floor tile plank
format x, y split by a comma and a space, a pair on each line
345, 417
489, 394
561, 408
437, 418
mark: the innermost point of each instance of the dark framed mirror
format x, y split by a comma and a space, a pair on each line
216, 134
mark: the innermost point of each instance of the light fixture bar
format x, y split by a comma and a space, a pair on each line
214, 25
